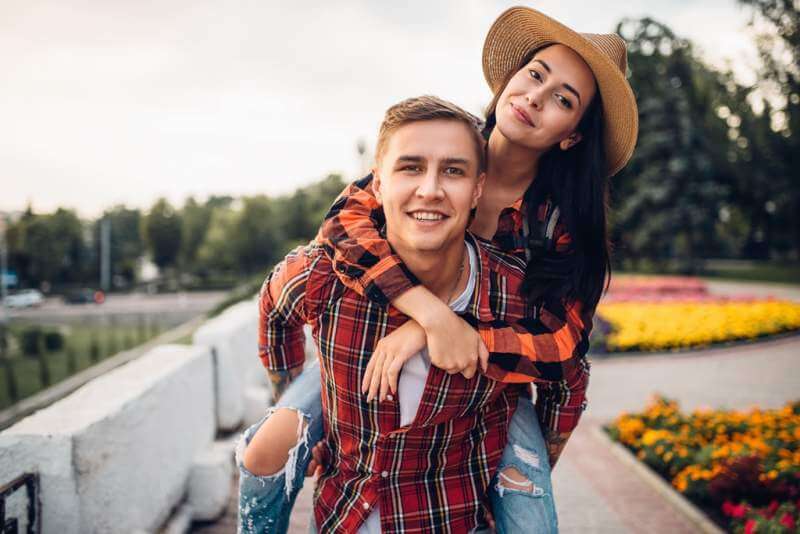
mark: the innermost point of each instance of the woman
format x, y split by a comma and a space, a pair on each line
563, 119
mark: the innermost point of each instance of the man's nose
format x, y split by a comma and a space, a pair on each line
430, 185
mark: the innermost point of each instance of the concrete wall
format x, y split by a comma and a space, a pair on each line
129, 448
232, 336
116, 454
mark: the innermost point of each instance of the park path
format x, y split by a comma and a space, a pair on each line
594, 491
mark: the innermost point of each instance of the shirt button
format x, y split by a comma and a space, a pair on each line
384, 474
365, 506
389, 397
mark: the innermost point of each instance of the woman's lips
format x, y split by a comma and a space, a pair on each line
522, 115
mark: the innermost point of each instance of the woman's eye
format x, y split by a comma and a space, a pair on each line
564, 102
535, 75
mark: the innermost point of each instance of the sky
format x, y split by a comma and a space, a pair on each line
124, 101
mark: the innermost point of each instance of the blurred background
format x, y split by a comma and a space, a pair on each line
158, 158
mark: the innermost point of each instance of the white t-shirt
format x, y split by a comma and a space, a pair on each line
412, 381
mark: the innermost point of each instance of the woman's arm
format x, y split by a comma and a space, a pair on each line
363, 259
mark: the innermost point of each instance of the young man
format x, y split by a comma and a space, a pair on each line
421, 460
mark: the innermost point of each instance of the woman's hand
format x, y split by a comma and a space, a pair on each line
390, 354
453, 345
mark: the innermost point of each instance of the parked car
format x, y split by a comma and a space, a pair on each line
24, 299
84, 295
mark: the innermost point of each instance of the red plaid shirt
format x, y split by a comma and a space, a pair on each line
429, 476
551, 345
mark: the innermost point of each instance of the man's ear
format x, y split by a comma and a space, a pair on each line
570, 141
376, 184
478, 189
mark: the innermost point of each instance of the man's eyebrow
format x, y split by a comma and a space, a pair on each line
455, 161
411, 158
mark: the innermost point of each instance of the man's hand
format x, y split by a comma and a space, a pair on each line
280, 380
390, 354
555, 442
319, 460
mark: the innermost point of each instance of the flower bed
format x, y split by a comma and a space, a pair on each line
649, 314
742, 468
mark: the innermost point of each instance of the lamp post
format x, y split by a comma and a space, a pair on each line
3, 269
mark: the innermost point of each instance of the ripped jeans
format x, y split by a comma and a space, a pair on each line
265, 502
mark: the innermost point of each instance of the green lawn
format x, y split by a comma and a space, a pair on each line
86, 343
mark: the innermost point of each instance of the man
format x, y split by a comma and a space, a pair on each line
422, 459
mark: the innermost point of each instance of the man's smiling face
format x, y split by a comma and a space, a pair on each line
428, 180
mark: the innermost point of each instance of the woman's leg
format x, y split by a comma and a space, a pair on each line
522, 492
286, 435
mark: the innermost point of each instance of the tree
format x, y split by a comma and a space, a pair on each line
667, 199
161, 230
257, 242
48, 248
778, 42
195, 220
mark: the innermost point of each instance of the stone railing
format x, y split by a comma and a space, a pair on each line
146, 445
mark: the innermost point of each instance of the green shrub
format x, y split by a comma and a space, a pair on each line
53, 341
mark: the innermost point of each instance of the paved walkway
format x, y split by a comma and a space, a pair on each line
594, 492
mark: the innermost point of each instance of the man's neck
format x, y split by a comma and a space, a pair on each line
442, 272
510, 165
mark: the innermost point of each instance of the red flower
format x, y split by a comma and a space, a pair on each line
772, 508
787, 521
750, 527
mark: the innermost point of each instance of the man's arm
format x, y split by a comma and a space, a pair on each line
282, 314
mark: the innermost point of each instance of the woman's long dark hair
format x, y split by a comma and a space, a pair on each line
575, 180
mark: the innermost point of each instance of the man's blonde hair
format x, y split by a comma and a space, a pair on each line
429, 108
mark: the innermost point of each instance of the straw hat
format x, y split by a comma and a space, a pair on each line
522, 29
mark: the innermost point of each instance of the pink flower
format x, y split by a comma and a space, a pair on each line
750, 527
787, 521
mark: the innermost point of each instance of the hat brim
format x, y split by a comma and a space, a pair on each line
519, 30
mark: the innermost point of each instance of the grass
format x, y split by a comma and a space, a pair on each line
86, 343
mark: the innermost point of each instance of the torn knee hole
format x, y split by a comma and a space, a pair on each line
276, 442
511, 479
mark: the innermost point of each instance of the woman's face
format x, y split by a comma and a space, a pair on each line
544, 101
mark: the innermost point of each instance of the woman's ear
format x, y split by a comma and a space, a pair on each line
570, 141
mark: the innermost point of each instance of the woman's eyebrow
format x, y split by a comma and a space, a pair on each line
545, 65
567, 86
572, 90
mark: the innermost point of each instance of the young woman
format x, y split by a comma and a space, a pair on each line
563, 119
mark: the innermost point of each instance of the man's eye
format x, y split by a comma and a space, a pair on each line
454, 170
411, 168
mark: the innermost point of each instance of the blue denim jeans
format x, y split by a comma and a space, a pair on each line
265, 502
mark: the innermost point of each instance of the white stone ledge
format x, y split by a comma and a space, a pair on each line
115, 455
233, 336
